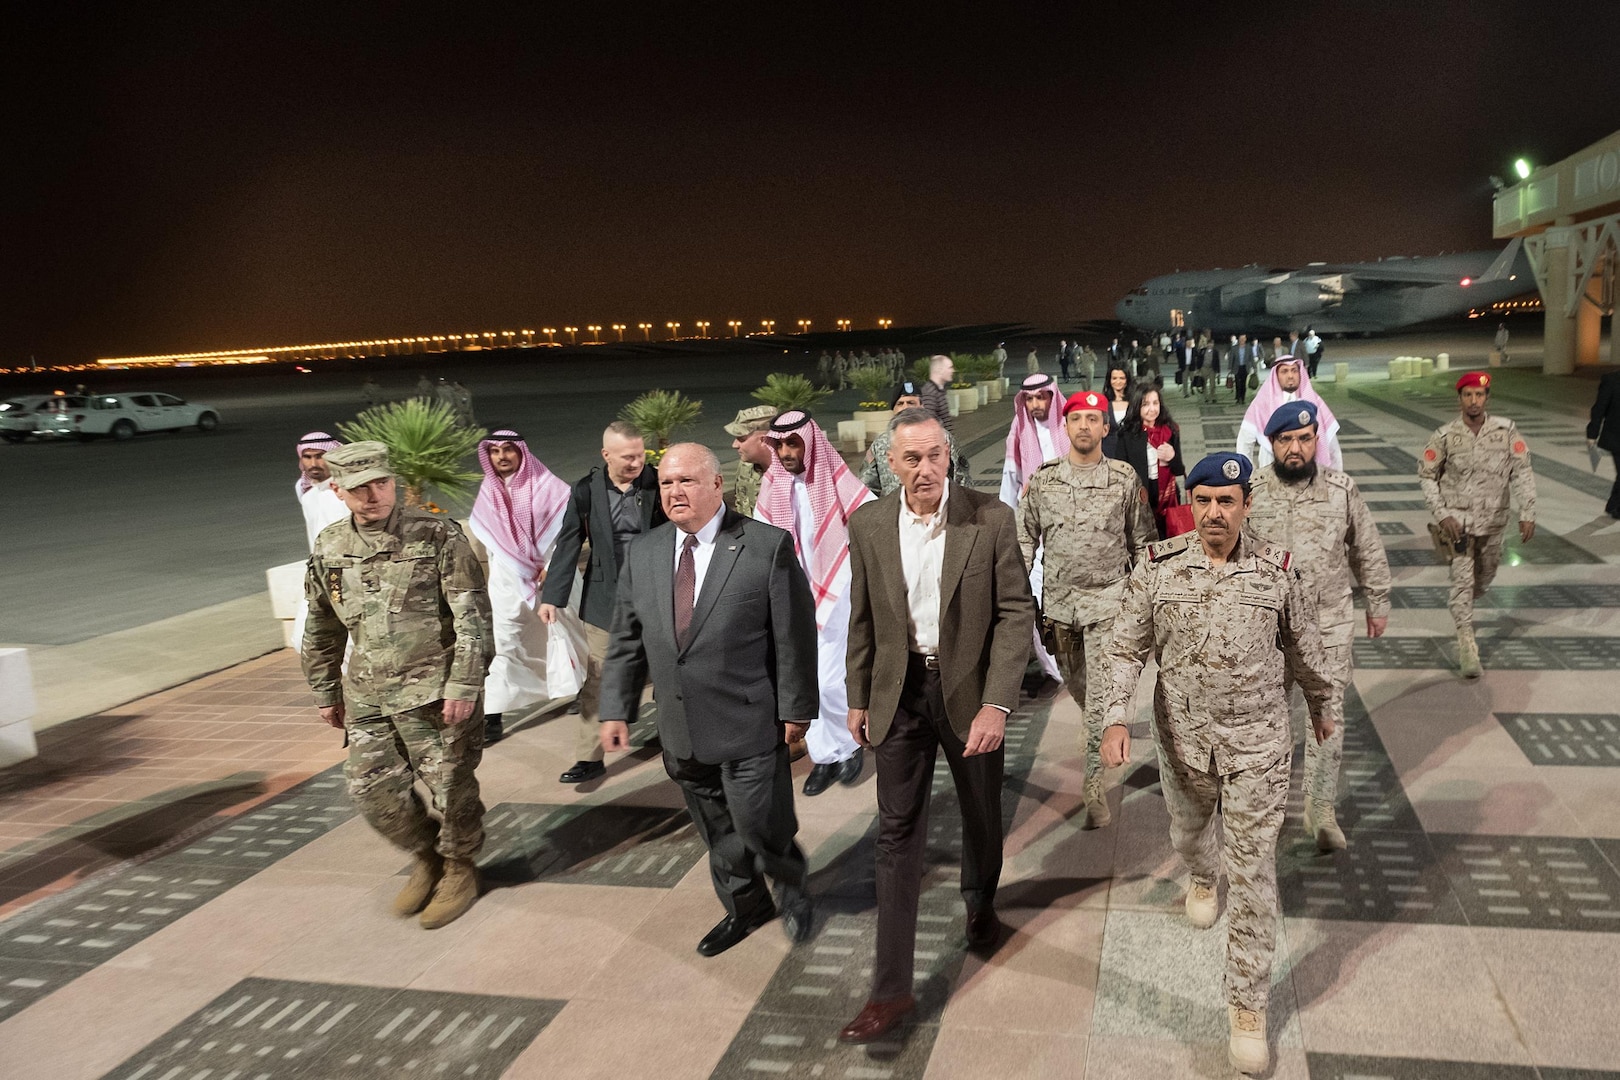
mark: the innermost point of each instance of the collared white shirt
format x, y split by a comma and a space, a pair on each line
804, 522
702, 554
922, 564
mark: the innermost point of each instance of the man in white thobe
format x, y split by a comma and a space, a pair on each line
1036, 437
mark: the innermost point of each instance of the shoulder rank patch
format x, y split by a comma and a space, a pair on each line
1337, 479
1271, 553
1519, 447
334, 585
1429, 454
1163, 549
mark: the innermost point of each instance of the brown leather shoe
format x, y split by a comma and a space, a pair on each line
877, 1019
983, 928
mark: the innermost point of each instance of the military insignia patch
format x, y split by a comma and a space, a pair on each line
1231, 470
1485, 380
334, 585
1519, 447
1304, 418
1429, 454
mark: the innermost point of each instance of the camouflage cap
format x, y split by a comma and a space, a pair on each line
358, 463
757, 418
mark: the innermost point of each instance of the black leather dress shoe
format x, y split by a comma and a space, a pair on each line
493, 731
583, 771
983, 928
849, 770
728, 931
820, 779
797, 915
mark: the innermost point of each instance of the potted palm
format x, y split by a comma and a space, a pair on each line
427, 447
783, 392
873, 410
659, 414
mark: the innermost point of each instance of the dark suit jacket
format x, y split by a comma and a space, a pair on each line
985, 611
750, 662
1131, 446
587, 519
1605, 425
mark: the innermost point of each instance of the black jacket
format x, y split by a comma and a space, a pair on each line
1605, 425
587, 519
1131, 445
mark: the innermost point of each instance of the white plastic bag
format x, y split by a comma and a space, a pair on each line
566, 655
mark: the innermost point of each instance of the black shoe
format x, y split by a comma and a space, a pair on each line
797, 915
573, 708
583, 771
820, 778
849, 770
728, 931
983, 928
493, 732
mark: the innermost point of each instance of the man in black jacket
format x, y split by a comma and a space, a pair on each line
1604, 431
612, 505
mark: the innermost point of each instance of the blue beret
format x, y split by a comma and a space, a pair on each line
1220, 470
1291, 417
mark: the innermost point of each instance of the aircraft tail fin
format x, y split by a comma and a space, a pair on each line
1503, 264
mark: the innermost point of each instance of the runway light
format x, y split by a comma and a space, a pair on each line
1465, 282
1522, 168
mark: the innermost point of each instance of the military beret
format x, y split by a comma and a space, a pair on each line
1291, 417
1220, 470
1474, 378
1086, 399
358, 463
905, 389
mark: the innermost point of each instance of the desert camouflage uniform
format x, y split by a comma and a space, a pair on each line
1469, 477
1221, 635
1093, 523
745, 488
1327, 527
413, 600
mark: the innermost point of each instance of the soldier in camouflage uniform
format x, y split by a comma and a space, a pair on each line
877, 475
754, 454
1222, 612
1090, 516
1318, 514
405, 586
1468, 470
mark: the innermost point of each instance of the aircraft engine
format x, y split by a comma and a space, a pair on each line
1243, 298
1297, 298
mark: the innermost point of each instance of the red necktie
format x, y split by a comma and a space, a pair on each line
685, 591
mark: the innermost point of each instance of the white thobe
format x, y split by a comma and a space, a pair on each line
1253, 444
1012, 487
517, 675
828, 739
321, 507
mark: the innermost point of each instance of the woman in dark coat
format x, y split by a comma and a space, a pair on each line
1151, 441
1117, 387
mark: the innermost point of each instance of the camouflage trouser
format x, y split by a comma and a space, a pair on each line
1080, 651
1472, 572
1322, 761
1251, 804
388, 754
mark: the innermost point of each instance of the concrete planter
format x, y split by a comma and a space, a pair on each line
992, 390
966, 400
873, 420
852, 435
17, 707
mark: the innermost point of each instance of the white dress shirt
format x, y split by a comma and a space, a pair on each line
702, 553
922, 563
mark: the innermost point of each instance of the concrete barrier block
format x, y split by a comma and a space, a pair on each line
286, 585
1341, 372
852, 436
17, 708
1442, 362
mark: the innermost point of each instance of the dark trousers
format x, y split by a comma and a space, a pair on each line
905, 772
1613, 507
1240, 383
743, 809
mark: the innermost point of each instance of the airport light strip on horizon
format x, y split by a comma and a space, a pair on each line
435, 343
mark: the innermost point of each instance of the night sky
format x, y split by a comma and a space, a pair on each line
233, 174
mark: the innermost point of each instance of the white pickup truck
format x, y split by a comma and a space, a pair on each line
123, 415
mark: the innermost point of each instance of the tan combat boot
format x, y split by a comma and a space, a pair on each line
1247, 1047
457, 891
425, 874
1202, 907
1467, 653
1097, 812
1323, 824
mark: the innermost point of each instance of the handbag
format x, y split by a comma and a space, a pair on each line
1178, 520
1254, 381
567, 655
1230, 382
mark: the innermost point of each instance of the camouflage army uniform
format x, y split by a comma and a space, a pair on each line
1093, 523
745, 488
413, 601
1469, 477
1327, 527
881, 479
1221, 635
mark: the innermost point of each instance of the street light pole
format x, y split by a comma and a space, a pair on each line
646, 329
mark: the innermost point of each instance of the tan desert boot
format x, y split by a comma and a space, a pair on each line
1202, 907
425, 874
457, 892
1467, 653
1322, 822
1097, 812
1247, 1047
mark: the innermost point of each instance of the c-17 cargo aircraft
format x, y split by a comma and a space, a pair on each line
1363, 297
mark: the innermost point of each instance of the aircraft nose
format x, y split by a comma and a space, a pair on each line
1122, 310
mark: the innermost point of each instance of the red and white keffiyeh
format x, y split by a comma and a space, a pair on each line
1271, 397
834, 493
521, 514
318, 440
1023, 441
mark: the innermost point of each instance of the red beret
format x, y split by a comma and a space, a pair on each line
1085, 399
1474, 378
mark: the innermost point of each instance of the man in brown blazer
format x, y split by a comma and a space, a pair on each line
939, 629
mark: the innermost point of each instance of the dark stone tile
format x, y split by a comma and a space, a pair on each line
1381, 877
280, 1030
805, 1047
23, 982
1410, 653
1393, 528
1378, 506
647, 847
1343, 1067
1531, 882
1565, 738
270, 833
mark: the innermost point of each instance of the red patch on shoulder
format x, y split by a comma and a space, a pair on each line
1429, 455
1519, 447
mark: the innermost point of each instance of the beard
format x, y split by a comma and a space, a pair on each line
1291, 474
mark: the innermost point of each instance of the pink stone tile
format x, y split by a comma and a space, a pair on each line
600, 1040
1561, 988
974, 1053
1042, 979
1521, 801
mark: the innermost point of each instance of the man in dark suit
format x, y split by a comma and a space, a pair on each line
939, 630
717, 608
609, 507
1603, 432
